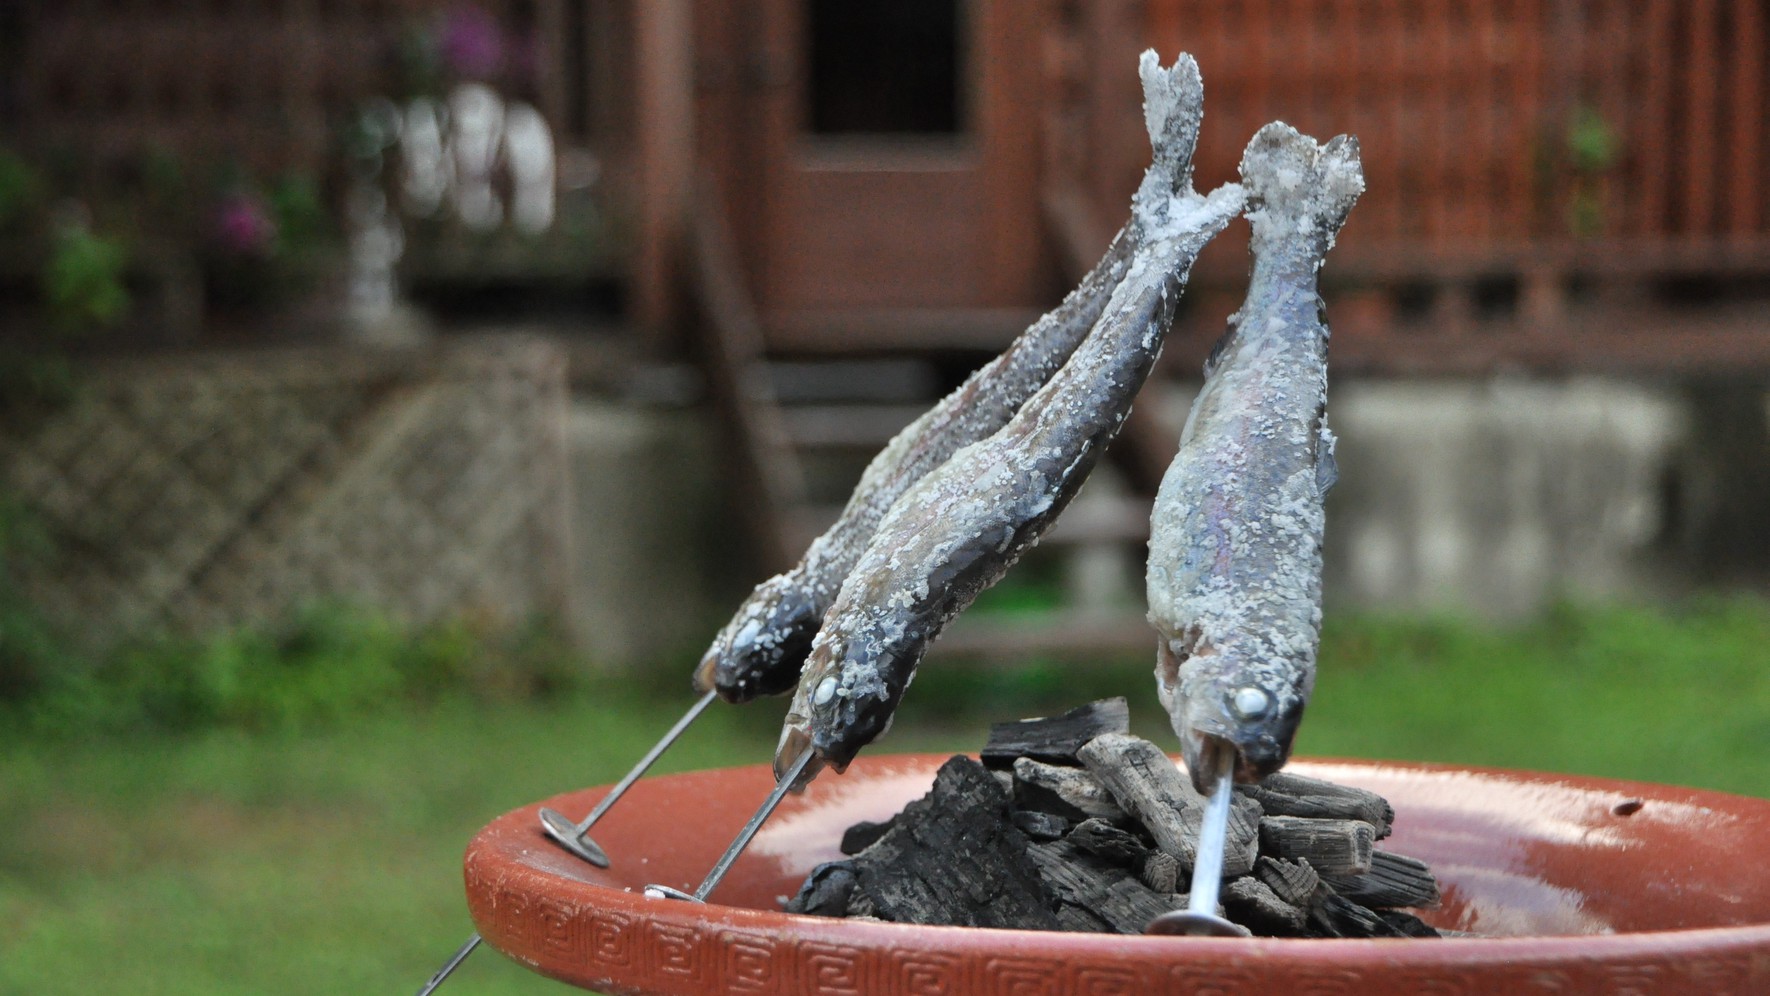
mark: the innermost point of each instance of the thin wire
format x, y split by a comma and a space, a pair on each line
781, 789
651, 756
1213, 837
614, 794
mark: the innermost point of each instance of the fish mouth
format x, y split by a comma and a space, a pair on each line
1209, 755
794, 744
760, 653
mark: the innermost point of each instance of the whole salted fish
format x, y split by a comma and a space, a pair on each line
959, 529
1234, 578
761, 650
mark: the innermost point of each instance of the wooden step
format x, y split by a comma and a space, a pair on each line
1102, 519
850, 331
853, 381
864, 426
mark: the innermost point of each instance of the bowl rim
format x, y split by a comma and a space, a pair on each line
491, 865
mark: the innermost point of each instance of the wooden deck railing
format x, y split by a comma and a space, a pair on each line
1543, 175
1608, 135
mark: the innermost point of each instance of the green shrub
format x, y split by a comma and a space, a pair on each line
320, 665
83, 279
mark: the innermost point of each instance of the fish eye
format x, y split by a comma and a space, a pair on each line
1250, 702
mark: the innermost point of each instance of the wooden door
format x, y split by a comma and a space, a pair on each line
898, 155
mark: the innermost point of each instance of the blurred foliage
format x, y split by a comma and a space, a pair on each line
20, 189
173, 228
1593, 144
319, 665
1591, 149
83, 279
28, 643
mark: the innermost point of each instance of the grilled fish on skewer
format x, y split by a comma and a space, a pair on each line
1234, 578
958, 529
760, 651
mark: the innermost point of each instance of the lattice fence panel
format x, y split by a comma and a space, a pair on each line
210, 491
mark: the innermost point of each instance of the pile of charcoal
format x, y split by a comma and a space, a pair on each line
1071, 823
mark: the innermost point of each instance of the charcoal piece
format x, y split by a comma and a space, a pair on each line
862, 835
861, 905
1292, 881
1161, 871
1337, 916
1068, 792
1040, 826
1333, 847
1408, 924
1147, 785
1286, 794
1091, 889
1108, 843
1251, 903
826, 890
1393, 880
953, 857
1055, 739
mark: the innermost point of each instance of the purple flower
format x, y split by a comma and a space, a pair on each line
472, 43
242, 225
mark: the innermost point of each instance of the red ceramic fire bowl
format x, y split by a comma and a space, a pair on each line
1577, 885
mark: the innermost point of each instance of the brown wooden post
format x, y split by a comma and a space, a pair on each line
1009, 114
1651, 122
664, 74
1701, 92
1746, 142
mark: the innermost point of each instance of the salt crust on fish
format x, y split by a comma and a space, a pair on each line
958, 530
1234, 574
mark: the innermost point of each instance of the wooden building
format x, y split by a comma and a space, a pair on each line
1553, 184
927, 172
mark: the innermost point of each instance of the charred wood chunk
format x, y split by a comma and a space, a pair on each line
1408, 924
1253, 904
1147, 786
953, 857
863, 835
861, 905
826, 891
1393, 880
1151, 789
1055, 739
1068, 792
1040, 826
1286, 794
1161, 871
1337, 916
1108, 843
1090, 889
1292, 881
1333, 847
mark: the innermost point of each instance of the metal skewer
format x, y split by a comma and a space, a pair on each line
571, 836
742, 841
1199, 918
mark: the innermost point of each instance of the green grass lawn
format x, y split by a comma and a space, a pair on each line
329, 860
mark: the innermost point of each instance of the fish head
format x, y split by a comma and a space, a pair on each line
843, 702
1232, 707
760, 651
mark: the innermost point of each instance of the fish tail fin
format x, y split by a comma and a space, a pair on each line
1173, 106
1297, 187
